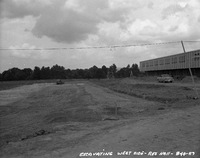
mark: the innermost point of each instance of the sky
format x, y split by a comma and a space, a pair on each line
32, 24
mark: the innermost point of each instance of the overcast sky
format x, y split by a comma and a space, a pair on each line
81, 23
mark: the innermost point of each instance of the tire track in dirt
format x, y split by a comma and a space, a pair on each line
170, 132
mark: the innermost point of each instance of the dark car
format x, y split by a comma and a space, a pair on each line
59, 81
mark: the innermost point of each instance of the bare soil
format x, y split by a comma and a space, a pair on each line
80, 117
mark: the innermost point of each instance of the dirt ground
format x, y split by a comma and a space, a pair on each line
84, 119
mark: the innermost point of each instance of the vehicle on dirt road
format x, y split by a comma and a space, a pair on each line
165, 78
59, 82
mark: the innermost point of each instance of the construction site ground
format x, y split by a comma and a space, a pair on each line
117, 118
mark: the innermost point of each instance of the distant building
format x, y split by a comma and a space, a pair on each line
176, 65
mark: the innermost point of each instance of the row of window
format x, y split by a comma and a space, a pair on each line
167, 61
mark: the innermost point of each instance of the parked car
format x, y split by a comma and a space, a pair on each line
165, 78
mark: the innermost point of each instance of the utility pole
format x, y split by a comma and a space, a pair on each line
190, 72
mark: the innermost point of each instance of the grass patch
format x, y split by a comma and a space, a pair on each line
4, 85
152, 92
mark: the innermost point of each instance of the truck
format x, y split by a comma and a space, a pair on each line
165, 78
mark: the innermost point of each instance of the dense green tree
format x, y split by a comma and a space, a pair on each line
104, 71
36, 75
19, 74
80, 73
45, 73
112, 71
13, 75
135, 70
68, 74
123, 72
28, 72
7, 75
88, 74
128, 71
75, 74
94, 72
58, 72
113, 68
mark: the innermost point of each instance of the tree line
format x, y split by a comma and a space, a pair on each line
59, 72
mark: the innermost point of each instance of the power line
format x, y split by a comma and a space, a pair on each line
191, 41
89, 47
96, 47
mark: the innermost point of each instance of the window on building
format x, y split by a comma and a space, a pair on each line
182, 59
161, 62
143, 64
174, 60
156, 62
196, 58
151, 63
167, 61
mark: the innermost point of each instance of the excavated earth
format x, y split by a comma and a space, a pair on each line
87, 119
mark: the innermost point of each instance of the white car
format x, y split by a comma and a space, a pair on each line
165, 78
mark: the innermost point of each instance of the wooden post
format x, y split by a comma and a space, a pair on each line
190, 72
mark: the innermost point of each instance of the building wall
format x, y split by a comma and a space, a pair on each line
173, 62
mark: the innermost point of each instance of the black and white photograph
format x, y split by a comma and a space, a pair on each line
100, 78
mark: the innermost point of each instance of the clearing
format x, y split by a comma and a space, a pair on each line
123, 118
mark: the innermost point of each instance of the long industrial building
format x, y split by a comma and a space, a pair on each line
175, 65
